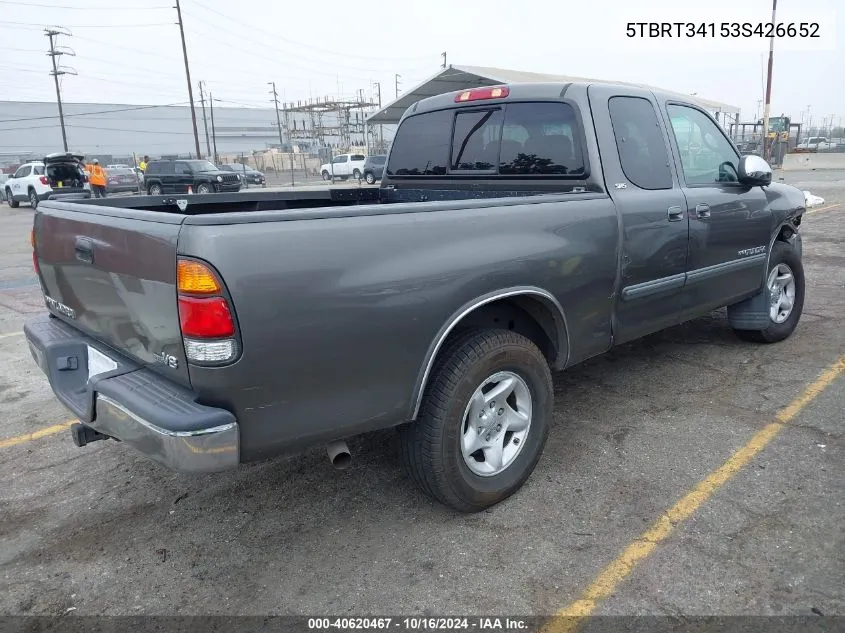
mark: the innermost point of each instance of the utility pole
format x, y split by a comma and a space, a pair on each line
444, 60
204, 120
279, 123
54, 52
213, 134
188, 77
398, 77
767, 153
380, 127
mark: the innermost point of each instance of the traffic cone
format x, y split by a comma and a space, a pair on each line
190, 189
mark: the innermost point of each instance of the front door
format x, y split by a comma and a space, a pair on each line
643, 183
730, 223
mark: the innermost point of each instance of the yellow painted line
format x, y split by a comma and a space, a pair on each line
11, 334
36, 435
827, 208
607, 581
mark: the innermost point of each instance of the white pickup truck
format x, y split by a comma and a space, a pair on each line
343, 166
816, 144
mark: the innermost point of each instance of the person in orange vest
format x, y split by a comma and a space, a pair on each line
97, 177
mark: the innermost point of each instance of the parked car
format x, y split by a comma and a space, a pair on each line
343, 166
247, 174
517, 230
3, 179
816, 144
374, 168
177, 176
59, 173
122, 179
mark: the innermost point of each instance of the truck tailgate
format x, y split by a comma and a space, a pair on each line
111, 273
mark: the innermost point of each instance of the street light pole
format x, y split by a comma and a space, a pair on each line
767, 147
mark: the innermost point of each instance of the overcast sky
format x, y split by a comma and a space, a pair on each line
128, 51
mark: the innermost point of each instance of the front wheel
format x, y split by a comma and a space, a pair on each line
154, 190
12, 202
785, 284
327, 175
204, 188
483, 422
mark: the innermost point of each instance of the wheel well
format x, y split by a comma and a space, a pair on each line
788, 230
524, 315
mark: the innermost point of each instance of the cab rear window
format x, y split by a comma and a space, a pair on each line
511, 140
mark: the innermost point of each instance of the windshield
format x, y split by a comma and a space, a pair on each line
200, 165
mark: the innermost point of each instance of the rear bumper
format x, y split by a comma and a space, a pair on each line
133, 404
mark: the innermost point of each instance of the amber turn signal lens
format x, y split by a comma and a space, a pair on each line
196, 278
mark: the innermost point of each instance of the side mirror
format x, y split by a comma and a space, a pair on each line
754, 171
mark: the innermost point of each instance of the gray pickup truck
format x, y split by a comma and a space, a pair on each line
518, 230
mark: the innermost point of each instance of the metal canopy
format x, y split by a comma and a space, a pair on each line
463, 77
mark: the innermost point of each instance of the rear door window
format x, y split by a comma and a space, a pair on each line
475, 142
640, 143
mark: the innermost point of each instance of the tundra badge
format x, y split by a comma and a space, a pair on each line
61, 308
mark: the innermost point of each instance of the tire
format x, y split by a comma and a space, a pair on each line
154, 190
784, 260
12, 202
204, 188
432, 444
369, 178
327, 175
33, 199
356, 174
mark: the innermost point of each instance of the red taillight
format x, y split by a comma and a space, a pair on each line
478, 94
43, 180
202, 317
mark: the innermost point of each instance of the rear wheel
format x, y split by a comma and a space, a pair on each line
204, 188
12, 202
33, 199
785, 283
327, 175
370, 178
483, 422
356, 174
154, 190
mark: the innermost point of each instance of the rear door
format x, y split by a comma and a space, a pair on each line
340, 165
730, 223
114, 278
643, 183
18, 185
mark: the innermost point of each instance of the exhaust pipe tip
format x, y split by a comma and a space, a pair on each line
339, 455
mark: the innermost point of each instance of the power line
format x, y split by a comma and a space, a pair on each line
252, 28
87, 26
129, 109
286, 52
69, 8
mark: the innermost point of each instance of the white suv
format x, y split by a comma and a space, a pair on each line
343, 166
36, 181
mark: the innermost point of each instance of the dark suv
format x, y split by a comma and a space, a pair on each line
374, 168
177, 176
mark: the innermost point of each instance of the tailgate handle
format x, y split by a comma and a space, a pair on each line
84, 250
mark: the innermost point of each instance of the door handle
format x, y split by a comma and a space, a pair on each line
702, 211
84, 249
676, 214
